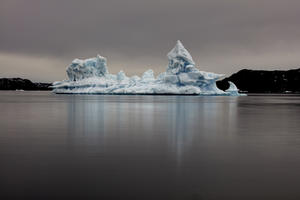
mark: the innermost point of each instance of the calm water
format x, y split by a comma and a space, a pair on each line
149, 147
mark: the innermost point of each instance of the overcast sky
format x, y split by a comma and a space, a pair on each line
39, 38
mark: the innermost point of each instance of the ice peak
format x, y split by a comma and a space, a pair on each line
179, 58
180, 52
179, 44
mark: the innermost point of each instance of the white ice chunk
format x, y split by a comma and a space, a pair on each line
148, 75
92, 67
173, 79
121, 76
233, 90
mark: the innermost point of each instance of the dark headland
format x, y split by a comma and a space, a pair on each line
22, 84
248, 81
261, 81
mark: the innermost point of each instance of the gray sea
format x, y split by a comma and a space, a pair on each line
149, 147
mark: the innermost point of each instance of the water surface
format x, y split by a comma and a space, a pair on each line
148, 147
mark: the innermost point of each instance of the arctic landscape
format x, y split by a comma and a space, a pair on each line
91, 76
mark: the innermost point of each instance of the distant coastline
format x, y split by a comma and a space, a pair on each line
22, 84
262, 81
247, 80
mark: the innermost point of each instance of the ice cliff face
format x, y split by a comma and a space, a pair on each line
92, 67
181, 77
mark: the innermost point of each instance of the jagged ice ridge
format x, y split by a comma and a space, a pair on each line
91, 76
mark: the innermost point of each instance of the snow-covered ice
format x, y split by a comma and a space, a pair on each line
91, 76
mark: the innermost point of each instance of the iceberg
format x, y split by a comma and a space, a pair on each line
91, 76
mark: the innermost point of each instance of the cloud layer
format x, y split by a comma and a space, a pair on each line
222, 36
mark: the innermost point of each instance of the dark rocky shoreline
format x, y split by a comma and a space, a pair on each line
22, 84
261, 81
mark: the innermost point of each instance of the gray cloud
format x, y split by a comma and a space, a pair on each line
222, 35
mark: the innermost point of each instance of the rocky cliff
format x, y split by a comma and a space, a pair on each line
22, 84
260, 81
